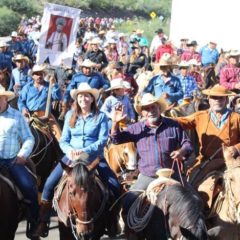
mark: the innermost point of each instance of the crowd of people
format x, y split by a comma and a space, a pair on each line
97, 94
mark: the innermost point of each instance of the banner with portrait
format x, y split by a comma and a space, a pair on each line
58, 35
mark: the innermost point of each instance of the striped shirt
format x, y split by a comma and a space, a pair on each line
15, 135
155, 145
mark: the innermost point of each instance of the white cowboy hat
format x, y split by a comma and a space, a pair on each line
116, 84
148, 99
87, 63
38, 68
95, 41
20, 57
194, 62
10, 95
139, 31
14, 34
3, 44
121, 35
183, 64
127, 85
218, 91
84, 88
111, 41
233, 53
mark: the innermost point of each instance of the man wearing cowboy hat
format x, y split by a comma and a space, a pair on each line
19, 76
214, 127
159, 141
96, 55
209, 54
14, 45
230, 73
157, 41
34, 95
94, 79
16, 144
58, 40
165, 84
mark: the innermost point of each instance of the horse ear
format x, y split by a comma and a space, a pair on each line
93, 164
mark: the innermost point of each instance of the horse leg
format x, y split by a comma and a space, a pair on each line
65, 232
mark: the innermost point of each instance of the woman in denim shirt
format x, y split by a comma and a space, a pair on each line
85, 130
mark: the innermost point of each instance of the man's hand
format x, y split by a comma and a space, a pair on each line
74, 154
20, 160
25, 112
178, 155
117, 115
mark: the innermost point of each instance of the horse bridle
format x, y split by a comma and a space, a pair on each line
74, 215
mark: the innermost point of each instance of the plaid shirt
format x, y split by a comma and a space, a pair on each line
154, 146
15, 135
189, 85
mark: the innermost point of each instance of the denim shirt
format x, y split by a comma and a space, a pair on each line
172, 87
89, 135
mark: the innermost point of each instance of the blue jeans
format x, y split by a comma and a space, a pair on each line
105, 173
26, 183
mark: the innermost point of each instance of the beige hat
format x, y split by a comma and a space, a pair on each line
20, 57
218, 91
84, 88
38, 68
165, 172
116, 83
14, 34
101, 32
148, 99
3, 44
87, 63
95, 41
194, 62
10, 95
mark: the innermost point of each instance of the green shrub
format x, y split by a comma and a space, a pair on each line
9, 21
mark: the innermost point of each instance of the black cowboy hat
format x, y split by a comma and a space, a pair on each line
159, 30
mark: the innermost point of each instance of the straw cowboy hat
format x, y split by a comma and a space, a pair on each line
165, 60
20, 57
116, 83
218, 91
95, 41
38, 68
87, 63
139, 31
148, 99
84, 88
10, 95
3, 44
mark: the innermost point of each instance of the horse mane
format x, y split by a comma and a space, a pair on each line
185, 206
81, 175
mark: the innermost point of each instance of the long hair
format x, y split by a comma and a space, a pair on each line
77, 111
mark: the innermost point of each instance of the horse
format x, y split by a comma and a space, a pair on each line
225, 211
209, 76
81, 204
9, 208
171, 211
121, 158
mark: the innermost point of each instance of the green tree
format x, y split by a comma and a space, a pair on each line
9, 21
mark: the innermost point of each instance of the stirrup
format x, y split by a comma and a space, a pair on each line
45, 231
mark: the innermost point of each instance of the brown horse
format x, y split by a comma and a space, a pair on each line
121, 158
81, 205
225, 212
209, 76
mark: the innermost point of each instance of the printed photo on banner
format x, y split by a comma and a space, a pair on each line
58, 35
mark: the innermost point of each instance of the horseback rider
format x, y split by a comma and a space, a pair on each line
16, 144
33, 98
85, 130
214, 126
160, 142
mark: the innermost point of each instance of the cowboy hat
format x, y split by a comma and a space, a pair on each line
14, 34
95, 41
165, 172
3, 44
218, 91
192, 43
87, 63
165, 60
116, 83
101, 32
20, 57
148, 99
183, 64
84, 88
194, 62
139, 31
233, 53
38, 68
10, 95
121, 35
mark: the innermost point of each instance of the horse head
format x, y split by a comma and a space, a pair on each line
231, 185
85, 201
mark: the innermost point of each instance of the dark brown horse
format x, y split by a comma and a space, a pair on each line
82, 205
9, 208
209, 76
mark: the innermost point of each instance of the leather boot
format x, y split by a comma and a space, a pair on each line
42, 228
